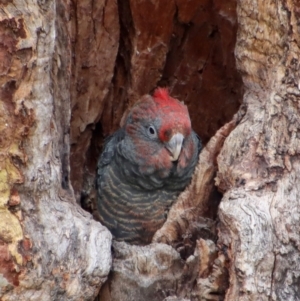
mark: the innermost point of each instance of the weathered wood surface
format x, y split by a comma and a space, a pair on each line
157, 272
94, 58
259, 163
49, 247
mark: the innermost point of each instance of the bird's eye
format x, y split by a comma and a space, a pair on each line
152, 131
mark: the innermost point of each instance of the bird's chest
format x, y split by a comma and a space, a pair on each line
134, 189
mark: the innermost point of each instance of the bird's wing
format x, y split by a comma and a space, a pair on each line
199, 142
108, 152
107, 155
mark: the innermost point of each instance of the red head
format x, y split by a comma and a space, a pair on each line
174, 113
158, 127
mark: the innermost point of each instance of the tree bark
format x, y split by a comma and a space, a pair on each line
49, 247
259, 163
69, 70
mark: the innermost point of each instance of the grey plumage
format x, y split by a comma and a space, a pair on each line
137, 179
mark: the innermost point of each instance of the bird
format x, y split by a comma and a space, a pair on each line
144, 166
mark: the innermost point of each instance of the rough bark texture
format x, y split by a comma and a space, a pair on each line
259, 163
48, 244
95, 41
157, 272
96, 58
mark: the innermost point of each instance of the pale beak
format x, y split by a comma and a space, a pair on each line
174, 146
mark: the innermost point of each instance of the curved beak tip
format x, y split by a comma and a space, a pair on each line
174, 146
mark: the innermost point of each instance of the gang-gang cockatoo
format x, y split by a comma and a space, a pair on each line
144, 166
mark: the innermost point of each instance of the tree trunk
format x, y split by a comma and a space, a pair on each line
69, 70
49, 246
259, 163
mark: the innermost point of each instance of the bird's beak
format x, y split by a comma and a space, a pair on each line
174, 146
